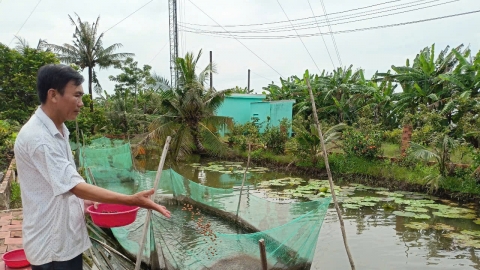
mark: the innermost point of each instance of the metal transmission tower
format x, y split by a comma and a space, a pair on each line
172, 8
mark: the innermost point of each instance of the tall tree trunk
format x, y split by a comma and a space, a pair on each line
196, 138
90, 90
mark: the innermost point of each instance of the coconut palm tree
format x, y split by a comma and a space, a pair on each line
190, 111
443, 146
87, 51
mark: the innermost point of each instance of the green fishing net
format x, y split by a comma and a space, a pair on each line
208, 229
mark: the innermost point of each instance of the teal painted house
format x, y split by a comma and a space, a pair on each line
244, 107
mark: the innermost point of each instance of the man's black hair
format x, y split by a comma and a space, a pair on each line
56, 77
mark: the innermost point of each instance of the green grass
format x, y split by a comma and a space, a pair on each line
15, 198
391, 149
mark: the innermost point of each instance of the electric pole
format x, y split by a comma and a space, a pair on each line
211, 73
172, 8
248, 81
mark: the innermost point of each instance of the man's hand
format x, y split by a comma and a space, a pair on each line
143, 200
87, 203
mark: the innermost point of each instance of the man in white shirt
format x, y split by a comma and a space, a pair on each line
54, 195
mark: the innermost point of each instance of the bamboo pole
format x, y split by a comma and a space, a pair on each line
149, 212
329, 173
263, 254
244, 178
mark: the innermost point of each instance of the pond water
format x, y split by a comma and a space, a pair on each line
385, 230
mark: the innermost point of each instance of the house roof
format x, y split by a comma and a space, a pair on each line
255, 96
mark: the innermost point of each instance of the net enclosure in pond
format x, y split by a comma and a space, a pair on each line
205, 231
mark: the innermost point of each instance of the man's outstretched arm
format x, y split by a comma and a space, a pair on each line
97, 194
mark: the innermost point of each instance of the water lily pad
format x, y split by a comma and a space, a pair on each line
443, 227
403, 214
469, 243
477, 221
351, 206
367, 204
390, 194
416, 209
472, 233
422, 216
458, 236
417, 225
454, 215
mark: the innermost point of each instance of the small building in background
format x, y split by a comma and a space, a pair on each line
243, 108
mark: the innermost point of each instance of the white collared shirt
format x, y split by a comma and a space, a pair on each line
53, 219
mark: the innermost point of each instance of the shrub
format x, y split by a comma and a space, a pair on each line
275, 138
361, 144
392, 136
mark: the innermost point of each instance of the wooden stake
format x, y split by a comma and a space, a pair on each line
329, 173
244, 178
263, 254
149, 212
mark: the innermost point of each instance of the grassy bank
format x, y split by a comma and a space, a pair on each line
404, 175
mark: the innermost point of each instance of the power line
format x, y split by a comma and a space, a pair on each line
267, 37
261, 76
347, 31
323, 38
299, 36
128, 16
158, 52
254, 24
331, 34
33, 10
284, 28
235, 38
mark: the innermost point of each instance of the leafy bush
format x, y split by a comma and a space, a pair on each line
275, 138
360, 144
242, 135
392, 136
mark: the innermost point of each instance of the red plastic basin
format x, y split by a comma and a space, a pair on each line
113, 215
16, 258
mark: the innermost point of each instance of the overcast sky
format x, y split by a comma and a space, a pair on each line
146, 32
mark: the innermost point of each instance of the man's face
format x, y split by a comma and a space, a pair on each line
70, 103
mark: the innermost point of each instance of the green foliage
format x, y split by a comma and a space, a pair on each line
392, 136
133, 80
275, 137
15, 196
243, 135
442, 145
89, 123
241, 90
361, 144
18, 73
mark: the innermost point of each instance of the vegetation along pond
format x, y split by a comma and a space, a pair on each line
385, 229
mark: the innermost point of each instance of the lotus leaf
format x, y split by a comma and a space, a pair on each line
417, 225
